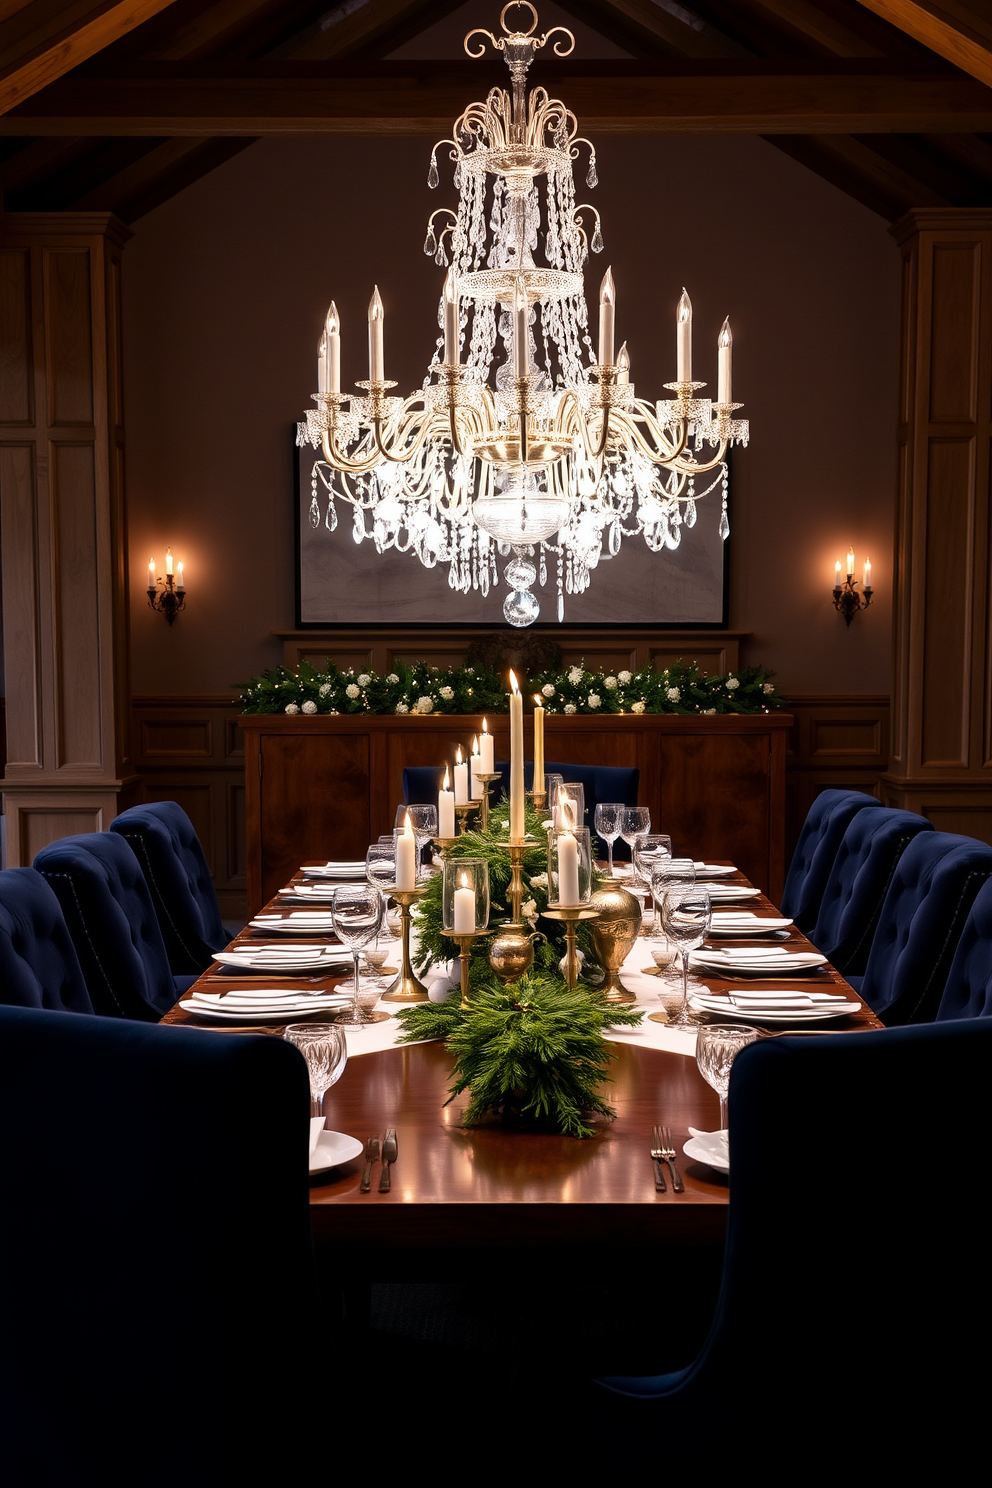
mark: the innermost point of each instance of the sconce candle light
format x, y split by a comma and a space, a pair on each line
846, 596
168, 595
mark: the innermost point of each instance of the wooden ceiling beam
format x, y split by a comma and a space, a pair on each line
414, 99
854, 168
956, 30
373, 29
46, 39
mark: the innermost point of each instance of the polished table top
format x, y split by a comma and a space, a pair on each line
492, 1185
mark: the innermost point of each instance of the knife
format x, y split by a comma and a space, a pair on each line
388, 1156
371, 1156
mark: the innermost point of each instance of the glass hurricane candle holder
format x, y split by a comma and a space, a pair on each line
569, 796
569, 867
465, 896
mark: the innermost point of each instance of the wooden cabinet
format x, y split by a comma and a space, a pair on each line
325, 787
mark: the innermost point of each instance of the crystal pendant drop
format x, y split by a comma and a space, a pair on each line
432, 175
521, 608
597, 241
519, 574
724, 527
314, 512
430, 243
592, 179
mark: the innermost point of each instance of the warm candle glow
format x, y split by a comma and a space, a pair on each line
458, 754
151, 568
181, 584
513, 684
850, 563
867, 584
445, 783
168, 562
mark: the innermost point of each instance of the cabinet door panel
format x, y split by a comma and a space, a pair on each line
315, 802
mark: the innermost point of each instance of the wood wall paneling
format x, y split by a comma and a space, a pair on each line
61, 443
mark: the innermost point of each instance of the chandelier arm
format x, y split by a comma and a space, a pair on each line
348, 465
423, 428
691, 467
664, 448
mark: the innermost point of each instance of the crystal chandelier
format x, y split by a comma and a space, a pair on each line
551, 461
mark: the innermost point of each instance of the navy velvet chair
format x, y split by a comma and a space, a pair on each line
968, 989
164, 840
829, 818
922, 919
160, 1312
858, 882
844, 1208
39, 967
112, 921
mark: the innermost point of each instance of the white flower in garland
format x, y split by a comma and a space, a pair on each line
733, 683
637, 707
539, 880
575, 676
292, 708
402, 708
447, 693
424, 704
569, 708
708, 711
769, 687
529, 909
610, 683
548, 689
392, 679
309, 706
624, 677
364, 679
353, 691
326, 689
672, 694
594, 700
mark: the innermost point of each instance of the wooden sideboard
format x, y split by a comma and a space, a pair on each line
326, 786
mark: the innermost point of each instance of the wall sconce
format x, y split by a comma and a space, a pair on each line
846, 596
167, 595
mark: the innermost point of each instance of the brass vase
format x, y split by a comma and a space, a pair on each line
511, 953
613, 935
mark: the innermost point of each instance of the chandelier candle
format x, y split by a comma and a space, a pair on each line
724, 353
445, 809
486, 749
451, 337
623, 366
607, 311
377, 359
521, 333
683, 322
461, 779
516, 763
406, 856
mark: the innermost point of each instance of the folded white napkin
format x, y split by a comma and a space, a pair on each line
316, 1127
717, 1143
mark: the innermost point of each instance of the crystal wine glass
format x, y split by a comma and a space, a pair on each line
325, 1049
717, 1046
667, 873
356, 913
650, 850
633, 821
380, 865
607, 824
686, 915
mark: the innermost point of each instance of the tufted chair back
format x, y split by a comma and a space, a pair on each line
111, 918
858, 882
164, 841
829, 818
39, 967
968, 989
922, 918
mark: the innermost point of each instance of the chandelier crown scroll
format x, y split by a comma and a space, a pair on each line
525, 441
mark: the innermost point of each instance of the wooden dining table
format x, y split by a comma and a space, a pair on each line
460, 1192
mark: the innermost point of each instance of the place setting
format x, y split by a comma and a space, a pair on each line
342, 872
297, 922
311, 957
727, 893
743, 924
261, 1005
738, 962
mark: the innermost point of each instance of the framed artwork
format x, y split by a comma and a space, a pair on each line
344, 582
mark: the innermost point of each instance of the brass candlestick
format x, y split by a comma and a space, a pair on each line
407, 987
539, 799
463, 813
444, 845
486, 782
464, 949
511, 953
571, 915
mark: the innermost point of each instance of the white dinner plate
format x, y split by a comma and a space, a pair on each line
709, 1148
319, 925
727, 893
715, 870
734, 928
314, 893
332, 1149
760, 964
720, 1007
281, 1013
330, 965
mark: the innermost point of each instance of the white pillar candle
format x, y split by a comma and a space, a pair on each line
516, 763
332, 335
406, 856
538, 744
445, 808
461, 779
568, 870
475, 767
464, 908
724, 353
486, 750
376, 357
521, 332
684, 324
607, 310
451, 337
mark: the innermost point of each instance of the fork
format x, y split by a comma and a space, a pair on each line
388, 1157
371, 1156
668, 1155
658, 1155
